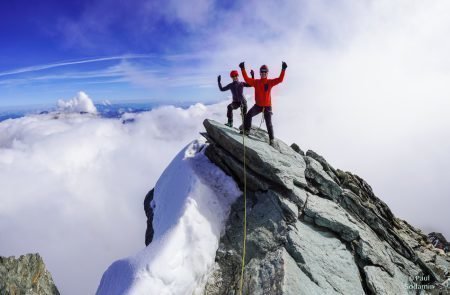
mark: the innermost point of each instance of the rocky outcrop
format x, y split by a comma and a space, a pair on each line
25, 275
439, 241
149, 213
311, 228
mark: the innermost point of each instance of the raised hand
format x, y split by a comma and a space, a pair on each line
283, 65
252, 73
241, 65
218, 78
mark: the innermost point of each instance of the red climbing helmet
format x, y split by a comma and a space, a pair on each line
234, 73
263, 69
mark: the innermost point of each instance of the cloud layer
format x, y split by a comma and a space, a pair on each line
72, 187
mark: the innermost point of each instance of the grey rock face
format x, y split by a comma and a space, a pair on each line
149, 213
312, 229
283, 170
439, 241
25, 275
322, 180
329, 214
296, 148
324, 258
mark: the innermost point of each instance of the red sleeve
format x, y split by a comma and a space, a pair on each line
249, 81
279, 79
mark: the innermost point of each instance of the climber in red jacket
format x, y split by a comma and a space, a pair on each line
263, 100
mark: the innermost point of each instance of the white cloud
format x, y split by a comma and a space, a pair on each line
192, 13
79, 104
72, 188
139, 76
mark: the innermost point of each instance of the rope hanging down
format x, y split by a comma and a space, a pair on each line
245, 212
245, 202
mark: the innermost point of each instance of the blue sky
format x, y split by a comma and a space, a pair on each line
155, 50
116, 50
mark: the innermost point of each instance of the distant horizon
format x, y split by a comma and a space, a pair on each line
99, 102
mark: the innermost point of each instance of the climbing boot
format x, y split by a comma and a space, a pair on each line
245, 132
229, 124
271, 142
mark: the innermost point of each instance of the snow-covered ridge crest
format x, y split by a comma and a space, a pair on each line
192, 200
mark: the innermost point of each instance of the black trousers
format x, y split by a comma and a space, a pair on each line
255, 110
234, 105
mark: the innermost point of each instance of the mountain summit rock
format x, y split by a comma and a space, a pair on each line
26, 274
313, 229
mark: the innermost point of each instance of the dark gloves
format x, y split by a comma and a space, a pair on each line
252, 74
241, 65
283, 65
218, 78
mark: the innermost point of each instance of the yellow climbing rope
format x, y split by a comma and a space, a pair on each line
245, 208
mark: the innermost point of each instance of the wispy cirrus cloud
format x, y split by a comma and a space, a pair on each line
177, 71
70, 63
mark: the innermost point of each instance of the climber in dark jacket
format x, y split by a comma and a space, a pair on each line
263, 99
237, 89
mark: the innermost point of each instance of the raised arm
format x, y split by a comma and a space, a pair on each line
249, 81
281, 77
220, 84
253, 77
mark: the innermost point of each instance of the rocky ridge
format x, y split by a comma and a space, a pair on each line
439, 241
311, 228
25, 275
